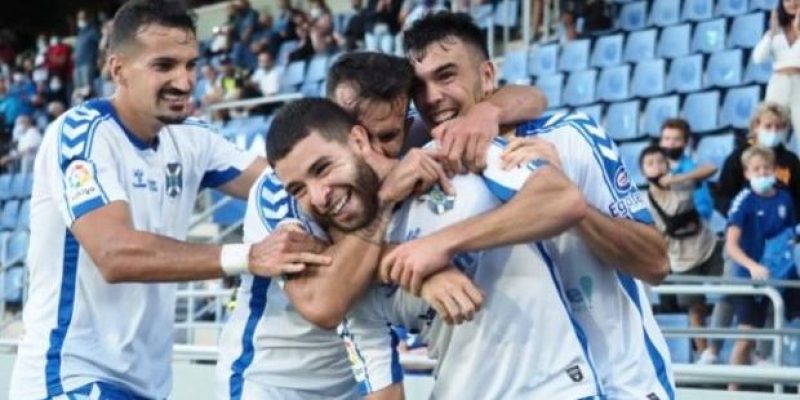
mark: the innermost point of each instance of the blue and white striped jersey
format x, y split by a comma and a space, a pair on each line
78, 328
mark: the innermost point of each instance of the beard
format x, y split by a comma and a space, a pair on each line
364, 190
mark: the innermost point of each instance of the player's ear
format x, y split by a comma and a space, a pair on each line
358, 139
488, 77
114, 65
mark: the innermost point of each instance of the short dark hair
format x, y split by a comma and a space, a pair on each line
784, 18
649, 150
297, 120
440, 26
373, 76
138, 13
680, 124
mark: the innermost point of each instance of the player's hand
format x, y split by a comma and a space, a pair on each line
415, 174
521, 151
759, 272
454, 296
287, 251
465, 140
410, 263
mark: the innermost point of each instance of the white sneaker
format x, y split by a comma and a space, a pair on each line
707, 358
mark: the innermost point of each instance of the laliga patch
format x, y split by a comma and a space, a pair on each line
81, 189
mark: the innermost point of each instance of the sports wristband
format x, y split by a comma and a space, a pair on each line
234, 259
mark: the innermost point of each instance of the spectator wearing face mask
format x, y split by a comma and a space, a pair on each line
27, 139
86, 51
675, 138
768, 128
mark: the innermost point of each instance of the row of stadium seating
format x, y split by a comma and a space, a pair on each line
634, 15
15, 186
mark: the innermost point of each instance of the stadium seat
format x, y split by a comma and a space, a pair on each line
286, 48
656, 111
543, 60
675, 41
709, 36
697, 10
293, 76
680, 348
21, 185
765, 5
757, 72
506, 13
515, 68
24, 218
724, 69
629, 153
731, 8
714, 149
580, 88
665, 12
614, 82
551, 86
311, 89
622, 120
701, 111
649, 79
16, 249
574, 56
738, 106
641, 45
5, 186
14, 282
482, 14
633, 16
8, 218
607, 51
686, 74
317, 68
595, 111
747, 30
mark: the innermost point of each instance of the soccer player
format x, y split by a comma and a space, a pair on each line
598, 260
115, 183
317, 151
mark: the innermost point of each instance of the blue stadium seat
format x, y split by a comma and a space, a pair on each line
738, 106
317, 68
747, 30
686, 74
506, 13
633, 16
701, 111
656, 111
14, 282
675, 41
649, 79
614, 83
286, 48
641, 45
574, 56
725, 68
5, 186
580, 88
543, 60
622, 120
757, 73
665, 12
765, 5
714, 149
607, 51
552, 86
595, 111
16, 248
680, 348
709, 36
697, 10
24, 218
482, 14
731, 8
8, 218
515, 67
293, 76
629, 153
21, 184
311, 89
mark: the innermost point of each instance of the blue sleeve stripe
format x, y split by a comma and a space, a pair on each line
215, 178
257, 305
275, 205
501, 192
88, 206
397, 369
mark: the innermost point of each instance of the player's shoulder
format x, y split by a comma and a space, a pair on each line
273, 204
742, 201
74, 131
557, 122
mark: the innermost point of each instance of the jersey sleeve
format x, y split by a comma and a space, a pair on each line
83, 172
371, 343
504, 184
737, 214
224, 162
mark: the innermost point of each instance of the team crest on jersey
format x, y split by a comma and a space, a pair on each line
782, 211
438, 201
174, 181
575, 373
80, 183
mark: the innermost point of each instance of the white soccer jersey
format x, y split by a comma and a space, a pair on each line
78, 328
523, 344
267, 344
630, 351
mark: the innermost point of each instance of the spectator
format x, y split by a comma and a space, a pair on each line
87, 45
762, 218
285, 21
382, 24
320, 26
692, 248
207, 90
264, 37
784, 84
414, 10
266, 77
675, 137
353, 36
11, 107
243, 19
305, 48
26, 142
229, 82
59, 65
767, 128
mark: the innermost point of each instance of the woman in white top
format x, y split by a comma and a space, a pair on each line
780, 42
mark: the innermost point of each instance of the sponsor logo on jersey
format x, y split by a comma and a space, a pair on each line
622, 181
81, 185
652, 396
174, 181
138, 179
627, 205
438, 201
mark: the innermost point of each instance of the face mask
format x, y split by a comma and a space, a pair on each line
315, 13
82, 24
762, 184
771, 138
39, 75
53, 41
41, 44
55, 84
674, 153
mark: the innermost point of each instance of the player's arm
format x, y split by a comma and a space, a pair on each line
239, 187
732, 236
393, 392
696, 175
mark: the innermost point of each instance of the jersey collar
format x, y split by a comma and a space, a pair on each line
106, 108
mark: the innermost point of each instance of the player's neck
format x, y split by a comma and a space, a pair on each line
143, 127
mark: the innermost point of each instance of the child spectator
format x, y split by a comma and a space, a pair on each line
759, 241
692, 248
675, 137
